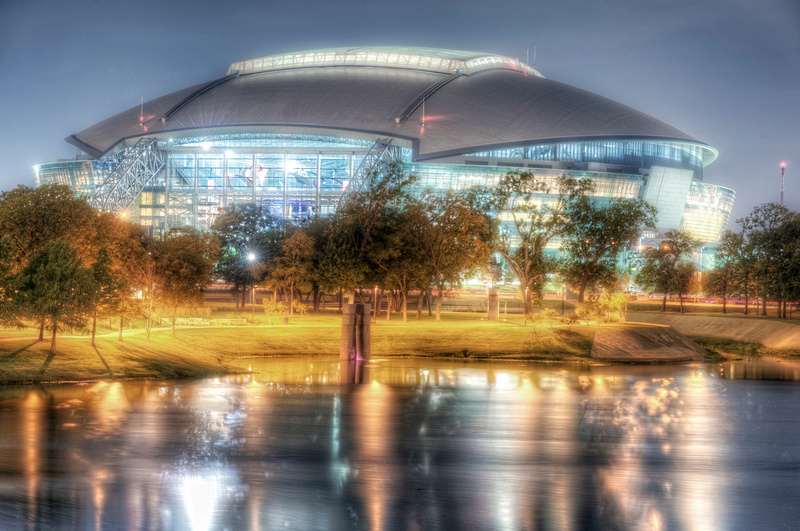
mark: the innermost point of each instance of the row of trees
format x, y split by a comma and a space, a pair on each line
63, 264
381, 236
761, 261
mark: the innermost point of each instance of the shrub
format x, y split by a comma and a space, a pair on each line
275, 310
551, 315
299, 308
570, 319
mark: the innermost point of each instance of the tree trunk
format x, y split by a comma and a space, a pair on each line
41, 330
94, 325
724, 301
439, 303
405, 306
388, 305
149, 323
340, 299
53, 340
664, 303
746, 293
291, 299
428, 300
582, 290
420, 300
121, 323
174, 318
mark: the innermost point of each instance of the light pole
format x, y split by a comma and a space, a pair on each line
563, 296
251, 258
783, 170
375, 304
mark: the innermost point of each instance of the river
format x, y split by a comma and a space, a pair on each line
420, 444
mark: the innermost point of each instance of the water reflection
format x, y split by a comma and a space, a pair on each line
421, 445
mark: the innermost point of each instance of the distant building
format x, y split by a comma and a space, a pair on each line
294, 132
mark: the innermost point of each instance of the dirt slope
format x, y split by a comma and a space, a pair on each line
772, 334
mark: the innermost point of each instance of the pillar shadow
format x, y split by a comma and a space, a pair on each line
18, 352
110, 372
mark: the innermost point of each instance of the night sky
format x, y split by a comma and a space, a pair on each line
726, 72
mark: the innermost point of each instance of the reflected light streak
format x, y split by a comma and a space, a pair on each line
373, 407
701, 449
111, 406
32, 407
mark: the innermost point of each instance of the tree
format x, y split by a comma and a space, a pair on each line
770, 242
105, 288
595, 237
31, 218
667, 268
133, 263
183, 264
400, 256
454, 235
55, 288
340, 268
721, 281
9, 314
243, 229
364, 213
531, 211
292, 266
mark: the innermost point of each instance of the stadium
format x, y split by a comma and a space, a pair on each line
295, 132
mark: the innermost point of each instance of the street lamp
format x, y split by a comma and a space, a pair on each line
251, 258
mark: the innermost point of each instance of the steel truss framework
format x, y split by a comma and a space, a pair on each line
382, 151
140, 164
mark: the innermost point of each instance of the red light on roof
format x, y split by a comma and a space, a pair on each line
783, 164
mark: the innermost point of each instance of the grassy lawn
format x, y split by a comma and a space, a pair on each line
202, 351
733, 310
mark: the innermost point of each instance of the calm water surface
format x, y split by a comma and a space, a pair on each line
419, 445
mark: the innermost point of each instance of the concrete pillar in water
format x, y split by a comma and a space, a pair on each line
494, 304
354, 349
355, 340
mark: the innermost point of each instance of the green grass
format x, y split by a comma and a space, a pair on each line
203, 351
700, 308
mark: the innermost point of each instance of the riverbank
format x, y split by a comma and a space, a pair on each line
206, 351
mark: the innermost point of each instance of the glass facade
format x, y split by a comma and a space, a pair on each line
708, 210
296, 176
83, 176
627, 153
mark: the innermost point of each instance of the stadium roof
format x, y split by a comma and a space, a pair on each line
472, 102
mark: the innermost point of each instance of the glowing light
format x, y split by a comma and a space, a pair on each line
206, 145
200, 496
783, 164
251, 257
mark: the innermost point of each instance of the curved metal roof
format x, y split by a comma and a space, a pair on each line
492, 102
